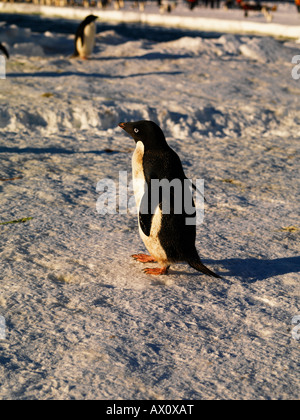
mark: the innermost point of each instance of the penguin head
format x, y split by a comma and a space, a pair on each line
147, 132
90, 18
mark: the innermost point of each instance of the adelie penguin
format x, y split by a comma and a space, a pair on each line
166, 235
4, 50
85, 37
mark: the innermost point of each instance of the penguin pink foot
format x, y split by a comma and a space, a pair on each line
143, 258
156, 271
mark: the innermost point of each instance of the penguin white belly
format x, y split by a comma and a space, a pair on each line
151, 242
138, 177
86, 49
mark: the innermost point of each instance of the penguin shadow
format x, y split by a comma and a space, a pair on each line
248, 270
57, 151
251, 270
92, 75
155, 55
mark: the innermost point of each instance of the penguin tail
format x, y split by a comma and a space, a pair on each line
197, 265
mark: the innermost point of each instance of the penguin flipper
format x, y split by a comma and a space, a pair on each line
82, 38
79, 35
4, 50
149, 204
145, 216
197, 265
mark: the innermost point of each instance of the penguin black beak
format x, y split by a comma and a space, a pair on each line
122, 125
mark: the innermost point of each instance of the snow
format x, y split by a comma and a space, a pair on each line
82, 320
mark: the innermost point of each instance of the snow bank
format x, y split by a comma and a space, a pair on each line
283, 24
266, 50
49, 56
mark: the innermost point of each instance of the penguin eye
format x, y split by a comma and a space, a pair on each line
136, 130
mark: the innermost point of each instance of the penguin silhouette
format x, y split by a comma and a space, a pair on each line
85, 37
166, 235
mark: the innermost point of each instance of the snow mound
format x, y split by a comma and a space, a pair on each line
186, 42
266, 50
27, 49
230, 43
24, 42
13, 34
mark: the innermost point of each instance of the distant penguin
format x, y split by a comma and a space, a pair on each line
4, 50
167, 237
85, 37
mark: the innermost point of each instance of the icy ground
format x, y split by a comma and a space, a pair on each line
82, 320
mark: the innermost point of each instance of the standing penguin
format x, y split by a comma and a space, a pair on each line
165, 234
85, 37
4, 50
